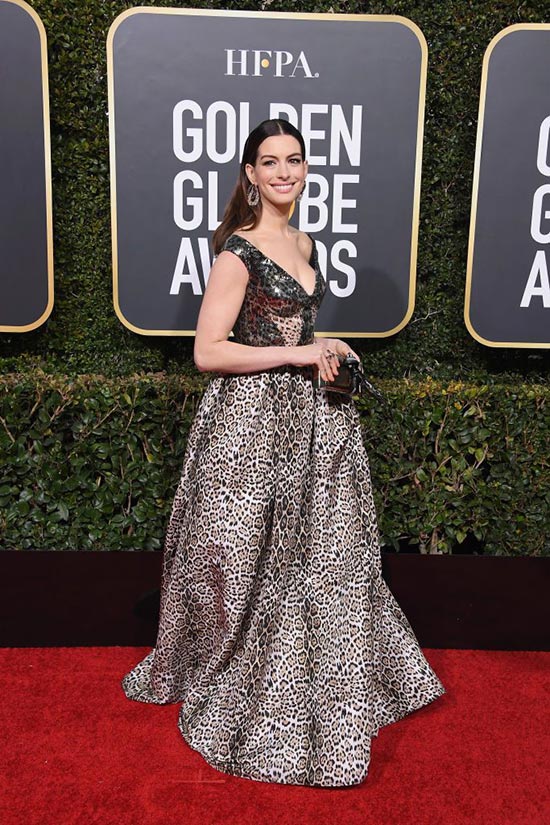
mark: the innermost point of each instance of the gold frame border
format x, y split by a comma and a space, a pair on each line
47, 168
475, 190
386, 18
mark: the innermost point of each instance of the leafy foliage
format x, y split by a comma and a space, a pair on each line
460, 465
90, 462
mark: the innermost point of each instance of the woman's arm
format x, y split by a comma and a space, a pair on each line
220, 307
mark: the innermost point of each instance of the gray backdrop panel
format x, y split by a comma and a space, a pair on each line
160, 59
23, 205
516, 103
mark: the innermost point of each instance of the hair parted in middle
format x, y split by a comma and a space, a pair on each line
238, 212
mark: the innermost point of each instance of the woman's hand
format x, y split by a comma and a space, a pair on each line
324, 354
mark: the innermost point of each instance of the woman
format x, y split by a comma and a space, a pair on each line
276, 630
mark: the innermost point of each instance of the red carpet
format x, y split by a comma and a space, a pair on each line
75, 751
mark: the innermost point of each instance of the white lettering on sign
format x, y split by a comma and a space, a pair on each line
259, 62
538, 282
333, 138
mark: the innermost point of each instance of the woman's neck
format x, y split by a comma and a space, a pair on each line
273, 221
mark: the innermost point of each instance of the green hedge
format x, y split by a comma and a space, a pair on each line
92, 455
93, 463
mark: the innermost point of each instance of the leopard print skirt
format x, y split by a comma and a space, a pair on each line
277, 632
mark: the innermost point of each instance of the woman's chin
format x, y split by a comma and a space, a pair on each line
281, 201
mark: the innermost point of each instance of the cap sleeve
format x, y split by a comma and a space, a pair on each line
239, 247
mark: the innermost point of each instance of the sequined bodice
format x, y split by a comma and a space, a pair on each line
276, 310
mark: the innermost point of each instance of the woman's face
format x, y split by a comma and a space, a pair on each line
279, 171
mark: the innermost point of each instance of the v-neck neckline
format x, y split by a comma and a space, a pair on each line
296, 281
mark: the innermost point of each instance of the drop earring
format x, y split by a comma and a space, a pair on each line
299, 198
253, 195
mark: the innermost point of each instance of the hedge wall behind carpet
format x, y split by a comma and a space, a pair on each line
95, 462
83, 335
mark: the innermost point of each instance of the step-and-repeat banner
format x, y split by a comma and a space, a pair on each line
26, 235
507, 301
185, 89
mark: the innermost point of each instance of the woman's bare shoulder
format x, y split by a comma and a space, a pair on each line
304, 241
245, 233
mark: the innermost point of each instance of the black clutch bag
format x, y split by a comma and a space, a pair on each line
349, 381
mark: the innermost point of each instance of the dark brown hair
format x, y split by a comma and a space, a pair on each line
238, 213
